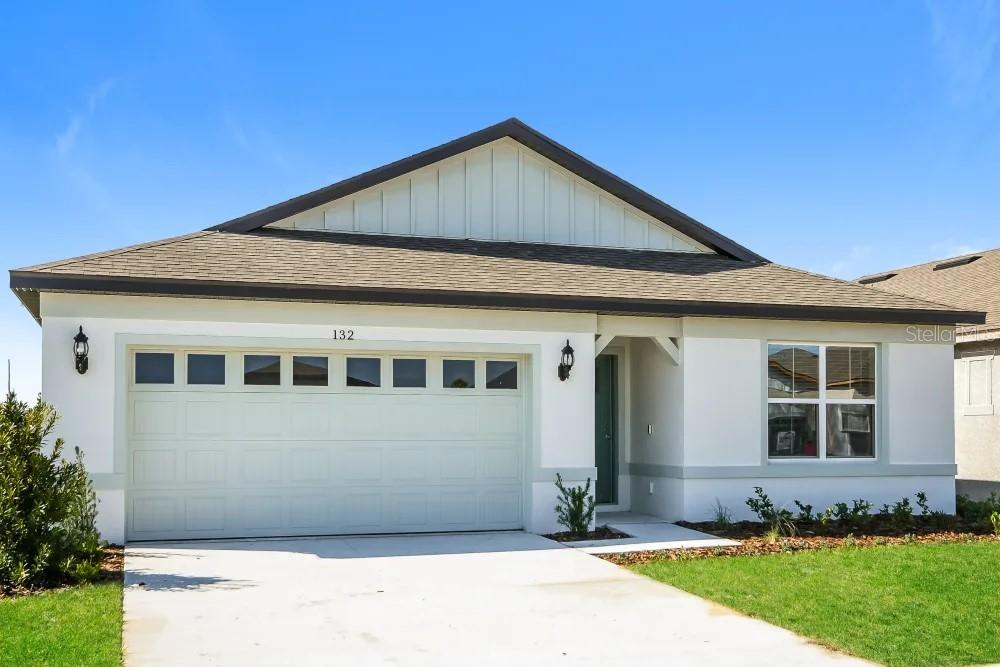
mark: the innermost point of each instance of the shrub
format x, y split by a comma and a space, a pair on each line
977, 512
575, 510
723, 517
805, 512
902, 513
780, 519
995, 520
923, 504
47, 504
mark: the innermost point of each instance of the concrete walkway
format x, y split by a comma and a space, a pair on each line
647, 533
473, 599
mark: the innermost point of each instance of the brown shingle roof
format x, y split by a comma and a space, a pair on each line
326, 266
971, 285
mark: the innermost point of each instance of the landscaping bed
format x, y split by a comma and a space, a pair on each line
599, 533
761, 546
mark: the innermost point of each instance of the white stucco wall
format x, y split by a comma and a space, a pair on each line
707, 411
723, 424
561, 413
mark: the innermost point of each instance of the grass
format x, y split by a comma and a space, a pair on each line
935, 604
75, 626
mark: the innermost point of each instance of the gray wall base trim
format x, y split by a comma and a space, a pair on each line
568, 474
108, 481
801, 470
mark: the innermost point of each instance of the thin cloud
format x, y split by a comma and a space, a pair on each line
966, 39
66, 140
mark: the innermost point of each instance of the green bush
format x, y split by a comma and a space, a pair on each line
575, 510
47, 504
779, 518
977, 512
995, 520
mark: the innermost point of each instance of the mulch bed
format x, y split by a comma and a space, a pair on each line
762, 546
875, 524
114, 562
601, 533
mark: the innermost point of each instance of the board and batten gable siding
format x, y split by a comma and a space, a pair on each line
503, 191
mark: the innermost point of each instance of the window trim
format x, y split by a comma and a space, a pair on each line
822, 402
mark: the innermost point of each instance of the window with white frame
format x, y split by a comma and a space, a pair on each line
820, 401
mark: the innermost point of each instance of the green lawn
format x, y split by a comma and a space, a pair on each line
905, 605
81, 625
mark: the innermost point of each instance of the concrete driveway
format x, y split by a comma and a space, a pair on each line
474, 599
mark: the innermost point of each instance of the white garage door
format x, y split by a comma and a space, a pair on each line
245, 444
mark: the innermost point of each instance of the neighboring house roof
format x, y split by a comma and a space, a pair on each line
968, 282
322, 266
528, 136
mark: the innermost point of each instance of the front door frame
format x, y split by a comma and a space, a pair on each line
620, 350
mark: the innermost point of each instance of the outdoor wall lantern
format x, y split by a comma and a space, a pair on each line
566, 365
80, 350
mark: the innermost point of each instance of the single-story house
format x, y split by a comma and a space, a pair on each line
971, 282
425, 346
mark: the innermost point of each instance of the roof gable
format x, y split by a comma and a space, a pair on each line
643, 220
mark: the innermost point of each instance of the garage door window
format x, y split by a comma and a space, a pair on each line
409, 373
310, 371
154, 368
364, 372
459, 374
206, 369
501, 375
261, 369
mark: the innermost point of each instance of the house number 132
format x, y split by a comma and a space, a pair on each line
343, 334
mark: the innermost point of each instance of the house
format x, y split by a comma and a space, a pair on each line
425, 346
973, 282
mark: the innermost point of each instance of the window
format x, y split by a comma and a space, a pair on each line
261, 369
458, 374
409, 372
821, 401
310, 371
364, 372
501, 375
206, 369
154, 368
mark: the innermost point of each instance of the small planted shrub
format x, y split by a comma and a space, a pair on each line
922, 503
995, 520
780, 519
47, 504
575, 508
805, 512
723, 517
977, 513
902, 513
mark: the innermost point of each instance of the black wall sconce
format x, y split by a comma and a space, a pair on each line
566, 364
81, 348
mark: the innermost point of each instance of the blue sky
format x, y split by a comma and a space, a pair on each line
842, 137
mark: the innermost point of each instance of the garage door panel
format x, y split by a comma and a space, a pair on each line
360, 511
154, 516
283, 461
261, 465
205, 417
309, 512
309, 465
500, 464
260, 512
262, 418
154, 467
154, 417
205, 467
205, 514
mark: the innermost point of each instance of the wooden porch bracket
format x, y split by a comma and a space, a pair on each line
602, 342
669, 348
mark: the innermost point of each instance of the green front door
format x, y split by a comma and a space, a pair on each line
606, 429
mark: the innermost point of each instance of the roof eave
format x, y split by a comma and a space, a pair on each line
502, 300
519, 131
